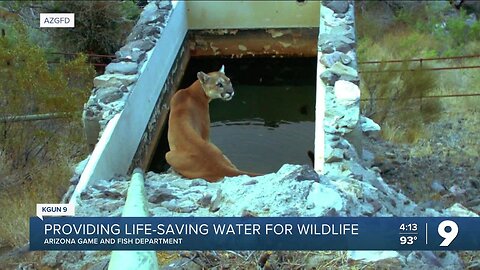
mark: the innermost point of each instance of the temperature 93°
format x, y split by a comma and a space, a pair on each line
408, 240
448, 230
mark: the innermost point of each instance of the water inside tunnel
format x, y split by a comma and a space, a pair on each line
271, 119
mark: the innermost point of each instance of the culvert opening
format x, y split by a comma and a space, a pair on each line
271, 119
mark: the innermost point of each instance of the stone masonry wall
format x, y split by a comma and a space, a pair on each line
342, 123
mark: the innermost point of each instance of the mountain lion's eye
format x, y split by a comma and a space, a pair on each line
219, 84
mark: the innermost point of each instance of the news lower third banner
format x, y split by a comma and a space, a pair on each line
254, 233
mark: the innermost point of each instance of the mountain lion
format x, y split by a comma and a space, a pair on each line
191, 152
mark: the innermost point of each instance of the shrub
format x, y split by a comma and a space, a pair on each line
100, 26
29, 86
393, 93
35, 157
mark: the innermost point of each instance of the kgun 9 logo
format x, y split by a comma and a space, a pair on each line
450, 235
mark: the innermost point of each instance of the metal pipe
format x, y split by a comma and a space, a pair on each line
420, 69
87, 54
419, 59
34, 117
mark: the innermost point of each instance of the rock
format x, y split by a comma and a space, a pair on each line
139, 45
457, 191
141, 31
343, 144
205, 201
252, 182
81, 166
85, 195
314, 261
437, 186
345, 59
114, 80
329, 59
112, 194
197, 182
357, 170
327, 47
428, 259
328, 77
343, 111
108, 95
471, 19
346, 31
74, 179
337, 6
165, 4
342, 46
126, 68
390, 155
134, 55
335, 156
26, 266
352, 79
337, 42
473, 202
372, 256
182, 263
368, 125
307, 173
215, 206
340, 70
100, 265
346, 92
180, 206
69, 256
323, 199
368, 156
113, 209
458, 210
161, 195
49, 259
352, 55
150, 14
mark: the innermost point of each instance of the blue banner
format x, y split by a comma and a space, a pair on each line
254, 233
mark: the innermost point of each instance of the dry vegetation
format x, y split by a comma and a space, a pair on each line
442, 138
395, 99
41, 180
36, 157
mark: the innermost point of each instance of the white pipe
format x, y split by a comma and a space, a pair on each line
135, 206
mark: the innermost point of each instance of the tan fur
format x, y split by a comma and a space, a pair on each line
191, 152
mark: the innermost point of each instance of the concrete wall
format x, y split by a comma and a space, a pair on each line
159, 116
252, 14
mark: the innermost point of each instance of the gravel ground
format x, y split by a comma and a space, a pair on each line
438, 171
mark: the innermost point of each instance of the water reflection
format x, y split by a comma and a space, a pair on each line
253, 146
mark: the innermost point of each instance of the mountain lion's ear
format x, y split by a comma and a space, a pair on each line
222, 69
202, 77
